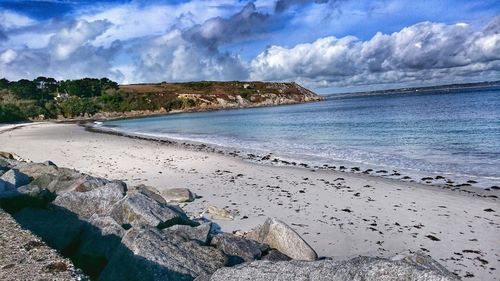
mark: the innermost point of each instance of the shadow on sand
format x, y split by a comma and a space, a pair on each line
100, 256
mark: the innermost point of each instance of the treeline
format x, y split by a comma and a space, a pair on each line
47, 98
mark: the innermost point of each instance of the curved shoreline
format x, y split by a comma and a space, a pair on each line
439, 180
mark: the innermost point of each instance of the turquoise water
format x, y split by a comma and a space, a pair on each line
457, 134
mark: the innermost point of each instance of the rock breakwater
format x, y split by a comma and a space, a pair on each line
112, 231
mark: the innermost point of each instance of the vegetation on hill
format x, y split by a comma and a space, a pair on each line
47, 98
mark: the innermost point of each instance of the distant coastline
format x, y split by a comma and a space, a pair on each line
102, 99
480, 86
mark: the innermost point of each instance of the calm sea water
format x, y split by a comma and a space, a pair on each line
454, 134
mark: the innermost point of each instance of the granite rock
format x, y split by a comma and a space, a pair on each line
278, 235
356, 269
139, 210
150, 255
177, 195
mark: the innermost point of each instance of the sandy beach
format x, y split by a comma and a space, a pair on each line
340, 214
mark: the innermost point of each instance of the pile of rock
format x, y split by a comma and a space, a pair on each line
114, 232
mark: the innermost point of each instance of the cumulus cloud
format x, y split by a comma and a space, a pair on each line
11, 20
219, 30
68, 40
68, 54
193, 53
171, 46
173, 58
418, 52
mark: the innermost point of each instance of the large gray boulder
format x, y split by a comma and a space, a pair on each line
44, 174
177, 195
199, 233
138, 210
60, 182
151, 192
280, 236
275, 255
219, 213
4, 165
14, 178
34, 193
356, 269
148, 254
238, 249
67, 180
6, 190
44, 180
422, 261
106, 225
56, 179
96, 201
88, 183
99, 241
36, 169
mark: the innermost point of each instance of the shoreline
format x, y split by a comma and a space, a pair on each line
437, 180
339, 214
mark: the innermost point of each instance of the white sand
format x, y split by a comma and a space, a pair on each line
386, 218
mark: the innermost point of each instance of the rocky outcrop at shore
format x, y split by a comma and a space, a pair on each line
115, 232
204, 96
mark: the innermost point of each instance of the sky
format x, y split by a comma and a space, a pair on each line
325, 45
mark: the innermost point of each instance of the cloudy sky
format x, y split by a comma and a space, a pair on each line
326, 45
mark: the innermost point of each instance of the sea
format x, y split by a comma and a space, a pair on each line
455, 135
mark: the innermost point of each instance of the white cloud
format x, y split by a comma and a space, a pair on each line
10, 20
65, 42
68, 54
133, 20
172, 58
8, 56
419, 52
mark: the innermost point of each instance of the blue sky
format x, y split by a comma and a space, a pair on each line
328, 46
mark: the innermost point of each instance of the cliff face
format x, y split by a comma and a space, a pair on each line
213, 95
163, 98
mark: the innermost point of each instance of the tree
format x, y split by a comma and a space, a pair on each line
4, 83
111, 102
76, 106
107, 84
87, 87
51, 109
46, 84
10, 113
31, 110
25, 89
